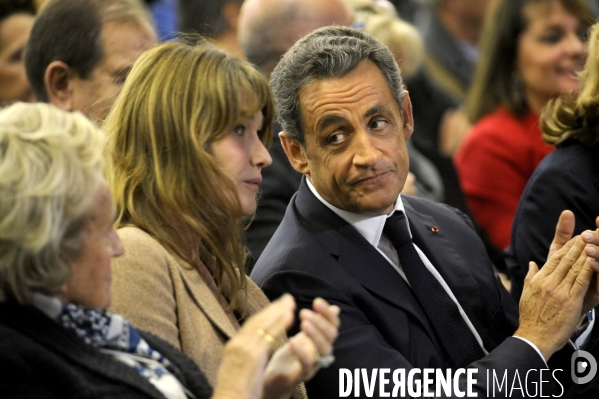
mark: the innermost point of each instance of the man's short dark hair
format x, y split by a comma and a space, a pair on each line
329, 52
71, 31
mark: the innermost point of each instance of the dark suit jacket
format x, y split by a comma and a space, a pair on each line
568, 178
314, 253
41, 359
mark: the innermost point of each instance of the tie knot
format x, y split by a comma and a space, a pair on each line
396, 229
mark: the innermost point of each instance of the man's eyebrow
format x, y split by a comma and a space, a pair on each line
333, 119
329, 120
377, 109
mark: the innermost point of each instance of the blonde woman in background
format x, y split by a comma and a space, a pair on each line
188, 136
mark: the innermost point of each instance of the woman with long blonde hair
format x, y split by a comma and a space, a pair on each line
187, 146
57, 240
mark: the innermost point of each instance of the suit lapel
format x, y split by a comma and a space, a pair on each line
204, 298
356, 255
432, 239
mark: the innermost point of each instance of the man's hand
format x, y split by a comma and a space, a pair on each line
564, 231
552, 298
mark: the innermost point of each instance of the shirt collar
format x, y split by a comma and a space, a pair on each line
370, 227
50, 306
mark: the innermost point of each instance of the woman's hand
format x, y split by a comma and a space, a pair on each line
298, 359
241, 373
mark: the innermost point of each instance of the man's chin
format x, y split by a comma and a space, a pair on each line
374, 208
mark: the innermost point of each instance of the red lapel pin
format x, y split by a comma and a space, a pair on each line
435, 229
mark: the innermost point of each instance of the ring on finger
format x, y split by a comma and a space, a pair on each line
266, 336
325, 361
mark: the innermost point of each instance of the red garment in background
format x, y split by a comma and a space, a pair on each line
497, 158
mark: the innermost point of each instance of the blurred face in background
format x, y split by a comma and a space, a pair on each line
14, 33
551, 51
123, 43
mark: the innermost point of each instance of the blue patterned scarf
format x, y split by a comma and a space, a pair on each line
109, 331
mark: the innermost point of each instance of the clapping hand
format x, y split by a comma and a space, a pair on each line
563, 233
304, 353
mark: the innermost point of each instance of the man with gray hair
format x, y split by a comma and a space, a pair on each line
80, 52
413, 281
266, 30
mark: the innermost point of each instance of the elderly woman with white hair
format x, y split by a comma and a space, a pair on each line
56, 244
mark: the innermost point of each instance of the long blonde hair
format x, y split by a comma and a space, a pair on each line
180, 97
576, 117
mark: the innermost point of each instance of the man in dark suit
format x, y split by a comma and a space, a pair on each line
346, 119
267, 29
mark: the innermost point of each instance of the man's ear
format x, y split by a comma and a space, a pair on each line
406, 115
58, 80
296, 153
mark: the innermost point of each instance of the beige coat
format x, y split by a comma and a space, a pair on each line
159, 292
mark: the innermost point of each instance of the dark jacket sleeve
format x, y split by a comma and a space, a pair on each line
567, 179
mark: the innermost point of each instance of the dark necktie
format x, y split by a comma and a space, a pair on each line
442, 311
